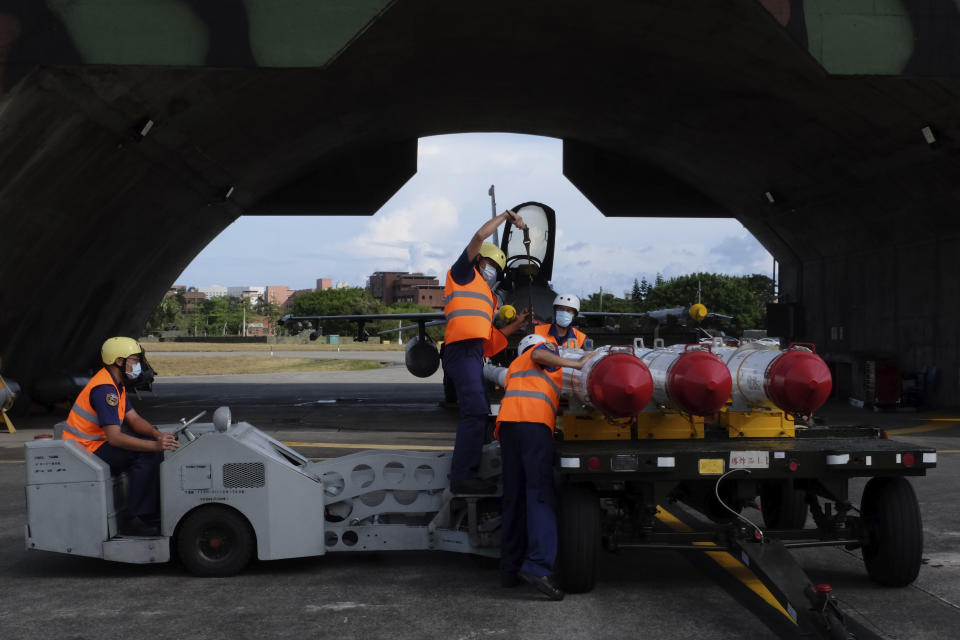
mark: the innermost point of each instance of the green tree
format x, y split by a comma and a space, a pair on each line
636, 295
167, 314
610, 303
337, 302
743, 297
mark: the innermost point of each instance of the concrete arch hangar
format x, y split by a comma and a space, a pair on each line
133, 133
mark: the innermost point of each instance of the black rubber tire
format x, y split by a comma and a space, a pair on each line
894, 531
579, 544
782, 506
215, 541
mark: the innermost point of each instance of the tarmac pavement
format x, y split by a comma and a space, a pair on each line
430, 594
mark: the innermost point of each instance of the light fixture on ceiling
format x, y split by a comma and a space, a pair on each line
928, 135
769, 197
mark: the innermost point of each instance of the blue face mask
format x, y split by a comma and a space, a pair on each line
135, 372
563, 319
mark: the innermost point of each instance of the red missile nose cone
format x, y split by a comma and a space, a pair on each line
799, 382
699, 383
620, 385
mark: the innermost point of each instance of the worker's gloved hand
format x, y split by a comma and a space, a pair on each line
516, 220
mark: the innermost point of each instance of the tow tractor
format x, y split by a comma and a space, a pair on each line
663, 476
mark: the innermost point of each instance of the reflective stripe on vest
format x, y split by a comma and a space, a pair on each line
532, 394
469, 309
83, 423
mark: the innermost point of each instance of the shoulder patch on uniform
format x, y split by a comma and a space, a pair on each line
112, 399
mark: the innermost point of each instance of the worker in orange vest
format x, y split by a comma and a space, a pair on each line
470, 306
566, 307
96, 420
525, 424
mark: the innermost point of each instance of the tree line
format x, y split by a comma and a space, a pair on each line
743, 297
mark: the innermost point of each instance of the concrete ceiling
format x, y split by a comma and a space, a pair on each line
665, 109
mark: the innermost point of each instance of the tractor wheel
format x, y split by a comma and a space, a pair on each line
215, 541
579, 538
894, 532
782, 506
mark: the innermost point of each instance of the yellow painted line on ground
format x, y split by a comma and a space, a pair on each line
345, 445
948, 450
733, 566
11, 461
920, 429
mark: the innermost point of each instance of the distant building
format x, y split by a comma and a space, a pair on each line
324, 283
174, 290
430, 296
258, 326
277, 295
192, 298
245, 291
400, 286
213, 291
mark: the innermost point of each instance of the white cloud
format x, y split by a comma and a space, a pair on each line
407, 238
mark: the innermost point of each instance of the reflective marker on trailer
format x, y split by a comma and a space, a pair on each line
908, 459
593, 462
570, 463
834, 459
930, 458
666, 461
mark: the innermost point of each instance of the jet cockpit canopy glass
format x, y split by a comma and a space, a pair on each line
540, 222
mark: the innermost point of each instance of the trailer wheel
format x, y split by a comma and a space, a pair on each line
215, 541
579, 538
782, 506
894, 532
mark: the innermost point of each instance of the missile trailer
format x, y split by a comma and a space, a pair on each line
658, 476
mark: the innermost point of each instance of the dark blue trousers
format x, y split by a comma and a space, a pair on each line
143, 471
529, 528
463, 363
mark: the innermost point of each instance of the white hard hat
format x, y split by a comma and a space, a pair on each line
529, 341
567, 300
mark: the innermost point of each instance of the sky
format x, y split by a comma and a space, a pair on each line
426, 225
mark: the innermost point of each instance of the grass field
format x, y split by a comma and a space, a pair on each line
160, 347
222, 365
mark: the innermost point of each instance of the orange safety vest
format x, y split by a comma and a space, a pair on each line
533, 394
83, 423
574, 343
469, 309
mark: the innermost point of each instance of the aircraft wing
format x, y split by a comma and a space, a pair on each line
435, 317
660, 315
364, 317
431, 323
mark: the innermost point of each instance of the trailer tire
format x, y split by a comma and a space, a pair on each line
782, 506
215, 541
890, 516
579, 538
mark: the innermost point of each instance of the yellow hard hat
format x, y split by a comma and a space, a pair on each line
492, 251
507, 313
119, 348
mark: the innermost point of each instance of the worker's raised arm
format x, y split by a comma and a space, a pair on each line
488, 228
